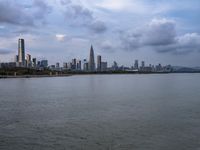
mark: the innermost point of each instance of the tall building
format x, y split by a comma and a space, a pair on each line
65, 65
98, 63
143, 64
44, 63
73, 64
57, 65
136, 64
91, 60
34, 62
21, 52
86, 66
28, 60
104, 66
78, 65
16, 58
114, 66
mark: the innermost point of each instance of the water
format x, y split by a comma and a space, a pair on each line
101, 112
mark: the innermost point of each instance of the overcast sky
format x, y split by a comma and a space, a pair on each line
157, 31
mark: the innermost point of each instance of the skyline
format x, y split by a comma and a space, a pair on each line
63, 29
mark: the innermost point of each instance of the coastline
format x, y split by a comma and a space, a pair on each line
32, 76
72, 74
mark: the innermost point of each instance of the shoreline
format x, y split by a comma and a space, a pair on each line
72, 74
32, 76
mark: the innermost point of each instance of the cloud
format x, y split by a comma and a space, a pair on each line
5, 51
42, 9
98, 27
12, 13
60, 37
107, 46
15, 13
78, 15
160, 35
160, 32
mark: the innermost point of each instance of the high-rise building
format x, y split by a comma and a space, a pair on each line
91, 60
136, 64
57, 65
86, 66
34, 62
65, 65
16, 58
21, 52
69, 66
28, 60
143, 64
44, 63
78, 65
73, 64
114, 66
98, 63
104, 66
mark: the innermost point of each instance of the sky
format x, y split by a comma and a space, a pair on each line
156, 31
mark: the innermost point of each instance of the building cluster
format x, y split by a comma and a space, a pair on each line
87, 66
79, 65
25, 61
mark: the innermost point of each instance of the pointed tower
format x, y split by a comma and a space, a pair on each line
91, 60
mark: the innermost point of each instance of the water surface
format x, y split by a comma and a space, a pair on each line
101, 112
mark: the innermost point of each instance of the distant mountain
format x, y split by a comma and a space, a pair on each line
180, 69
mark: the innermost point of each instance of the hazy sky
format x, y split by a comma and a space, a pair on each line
157, 31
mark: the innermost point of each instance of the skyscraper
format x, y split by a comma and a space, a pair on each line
28, 60
98, 63
21, 52
34, 62
136, 64
104, 66
143, 64
91, 60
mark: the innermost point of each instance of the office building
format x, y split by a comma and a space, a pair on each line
98, 63
136, 64
28, 60
57, 65
104, 66
44, 63
65, 65
115, 66
16, 59
73, 67
143, 64
21, 52
34, 62
91, 60
78, 65
86, 66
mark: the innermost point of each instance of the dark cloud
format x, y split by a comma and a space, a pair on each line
160, 35
78, 15
160, 32
5, 51
107, 46
42, 9
98, 27
14, 13
65, 2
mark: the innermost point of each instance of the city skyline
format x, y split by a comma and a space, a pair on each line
122, 31
26, 61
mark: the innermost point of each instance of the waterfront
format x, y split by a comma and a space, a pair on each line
119, 112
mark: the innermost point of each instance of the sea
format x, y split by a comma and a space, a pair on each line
101, 112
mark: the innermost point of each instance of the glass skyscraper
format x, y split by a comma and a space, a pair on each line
91, 60
21, 52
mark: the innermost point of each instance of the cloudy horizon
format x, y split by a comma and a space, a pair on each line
158, 31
